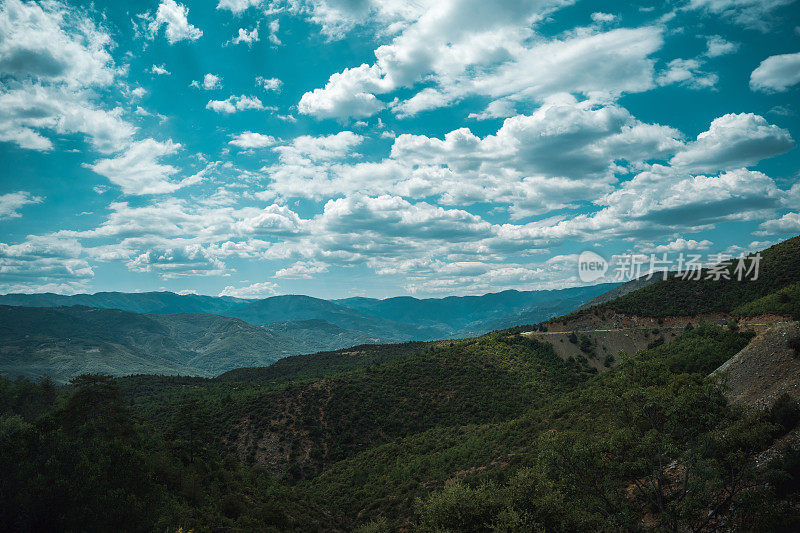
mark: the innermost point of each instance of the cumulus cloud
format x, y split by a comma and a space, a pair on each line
487, 51
269, 84
255, 290
776, 73
788, 223
732, 141
53, 58
176, 262
565, 152
43, 263
160, 70
238, 6
210, 82
251, 140
302, 270
663, 201
687, 72
246, 37
274, 26
756, 14
174, 18
679, 245
717, 46
233, 103
601, 17
138, 169
11, 203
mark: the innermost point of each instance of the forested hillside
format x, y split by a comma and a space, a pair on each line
779, 267
652, 441
493, 433
63, 342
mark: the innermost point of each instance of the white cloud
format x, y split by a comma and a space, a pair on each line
663, 201
756, 14
687, 72
250, 140
10, 203
177, 262
732, 141
256, 290
210, 82
269, 84
302, 270
238, 6
679, 245
53, 43
246, 37
235, 103
717, 46
601, 17
137, 170
160, 70
53, 58
490, 52
788, 223
173, 17
274, 26
28, 109
776, 73
43, 263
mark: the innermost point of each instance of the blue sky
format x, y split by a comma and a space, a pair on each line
380, 147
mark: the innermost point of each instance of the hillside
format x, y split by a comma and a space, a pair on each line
779, 268
389, 320
64, 342
303, 308
471, 315
495, 430
136, 302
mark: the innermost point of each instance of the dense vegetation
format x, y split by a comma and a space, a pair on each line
63, 342
491, 433
779, 268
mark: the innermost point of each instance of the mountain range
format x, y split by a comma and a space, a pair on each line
166, 333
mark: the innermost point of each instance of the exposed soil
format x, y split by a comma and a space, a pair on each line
765, 369
612, 332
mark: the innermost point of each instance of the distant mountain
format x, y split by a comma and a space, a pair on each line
63, 342
318, 335
297, 307
389, 320
137, 302
474, 315
166, 333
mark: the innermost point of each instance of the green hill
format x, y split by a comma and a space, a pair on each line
779, 268
64, 342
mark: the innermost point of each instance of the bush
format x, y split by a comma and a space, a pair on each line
794, 344
785, 413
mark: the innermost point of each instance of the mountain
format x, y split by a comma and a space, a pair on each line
695, 428
388, 320
620, 290
299, 308
64, 342
137, 302
318, 335
471, 315
778, 268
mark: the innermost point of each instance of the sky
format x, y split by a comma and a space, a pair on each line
377, 148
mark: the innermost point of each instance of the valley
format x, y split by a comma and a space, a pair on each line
691, 424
